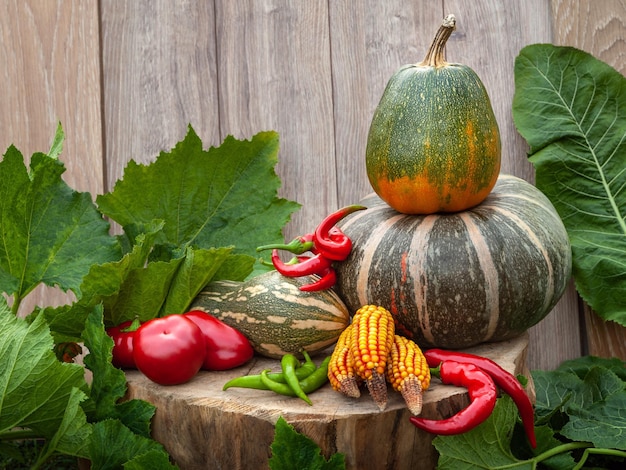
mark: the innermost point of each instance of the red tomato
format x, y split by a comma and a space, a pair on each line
169, 350
122, 346
226, 347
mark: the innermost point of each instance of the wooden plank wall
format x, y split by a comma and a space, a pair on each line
126, 78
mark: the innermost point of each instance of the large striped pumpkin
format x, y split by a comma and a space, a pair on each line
456, 280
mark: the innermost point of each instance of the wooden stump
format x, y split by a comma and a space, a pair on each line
203, 427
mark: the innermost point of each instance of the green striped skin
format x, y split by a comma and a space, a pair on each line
275, 316
434, 142
457, 280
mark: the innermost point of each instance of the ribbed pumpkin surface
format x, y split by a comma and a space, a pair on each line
456, 280
275, 316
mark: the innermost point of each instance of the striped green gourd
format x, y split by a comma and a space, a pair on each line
457, 280
275, 315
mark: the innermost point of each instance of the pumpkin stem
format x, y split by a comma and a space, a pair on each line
435, 57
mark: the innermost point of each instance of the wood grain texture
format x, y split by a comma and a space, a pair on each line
368, 45
51, 73
159, 76
600, 29
557, 337
597, 27
275, 73
603, 338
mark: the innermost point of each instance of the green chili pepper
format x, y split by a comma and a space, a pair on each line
308, 365
317, 378
267, 381
254, 381
289, 363
276, 387
308, 385
296, 246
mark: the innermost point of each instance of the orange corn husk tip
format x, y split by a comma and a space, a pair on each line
408, 372
341, 373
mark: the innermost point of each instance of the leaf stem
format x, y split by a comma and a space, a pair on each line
19, 434
601, 451
16, 305
589, 449
560, 450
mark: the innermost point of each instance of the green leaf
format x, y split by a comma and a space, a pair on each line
108, 385
114, 445
37, 391
122, 429
467, 451
580, 366
57, 144
49, 233
545, 452
571, 109
196, 270
221, 197
587, 408
603, 423
553, 391
106, 283
136, 415
235, 268
74, 433
153, 459
291, 449
597, 414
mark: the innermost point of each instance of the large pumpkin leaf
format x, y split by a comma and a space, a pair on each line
49, 233
224, 196
571, 109
37, 391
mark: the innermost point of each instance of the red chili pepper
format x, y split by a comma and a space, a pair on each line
169, 350
315, 264
326, 281
297, 246
335, 247
482, 393
502, 378
226, 347
122, 336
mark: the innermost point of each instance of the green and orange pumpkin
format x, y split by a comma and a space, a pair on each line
433, 143
456, 280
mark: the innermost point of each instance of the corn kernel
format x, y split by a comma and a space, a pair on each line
408, 372
341, 373
372, 339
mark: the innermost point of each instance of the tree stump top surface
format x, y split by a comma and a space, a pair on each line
203, 426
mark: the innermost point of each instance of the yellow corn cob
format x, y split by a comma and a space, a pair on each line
408, 372
372, 337
341, 367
